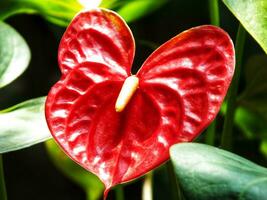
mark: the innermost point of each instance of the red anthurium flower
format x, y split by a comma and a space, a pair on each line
118, 125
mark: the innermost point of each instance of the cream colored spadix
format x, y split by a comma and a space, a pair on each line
129, 87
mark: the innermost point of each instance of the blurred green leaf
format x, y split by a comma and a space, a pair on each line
263, 148
252, 124
23, 125
209, 173
88, 181
253, 16
14, 54
255, 74
251, 113
254, 96
135, 9
109, 3
59, 12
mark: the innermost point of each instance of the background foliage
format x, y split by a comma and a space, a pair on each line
30, 32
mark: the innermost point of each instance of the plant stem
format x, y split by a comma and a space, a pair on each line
210, 133
119, 193
147, 190
226, 140
3, 194
176, 191
214, 12
215, 20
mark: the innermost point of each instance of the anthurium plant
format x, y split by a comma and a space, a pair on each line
126, 129
118, 125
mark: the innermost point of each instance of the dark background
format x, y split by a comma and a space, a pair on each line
29, 173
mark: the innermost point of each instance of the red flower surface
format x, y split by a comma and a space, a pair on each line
179, 91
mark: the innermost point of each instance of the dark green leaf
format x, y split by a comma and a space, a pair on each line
23, 125
255, 72
14, 54
89, 182
254, 96
255, 75
250, 114
253, 16
209, 173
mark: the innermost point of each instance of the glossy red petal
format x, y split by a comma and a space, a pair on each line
99, 36
83, 120
75, 105
182, 85
198, 66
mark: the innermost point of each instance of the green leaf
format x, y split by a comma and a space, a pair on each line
255, 74
109, 3
253, 16
251, 123
254, 96
14, 54
209, 173
89, 182
23, 125
263, 148
251, 113
59, 12
133, 10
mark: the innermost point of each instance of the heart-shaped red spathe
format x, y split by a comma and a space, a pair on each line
181, 88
